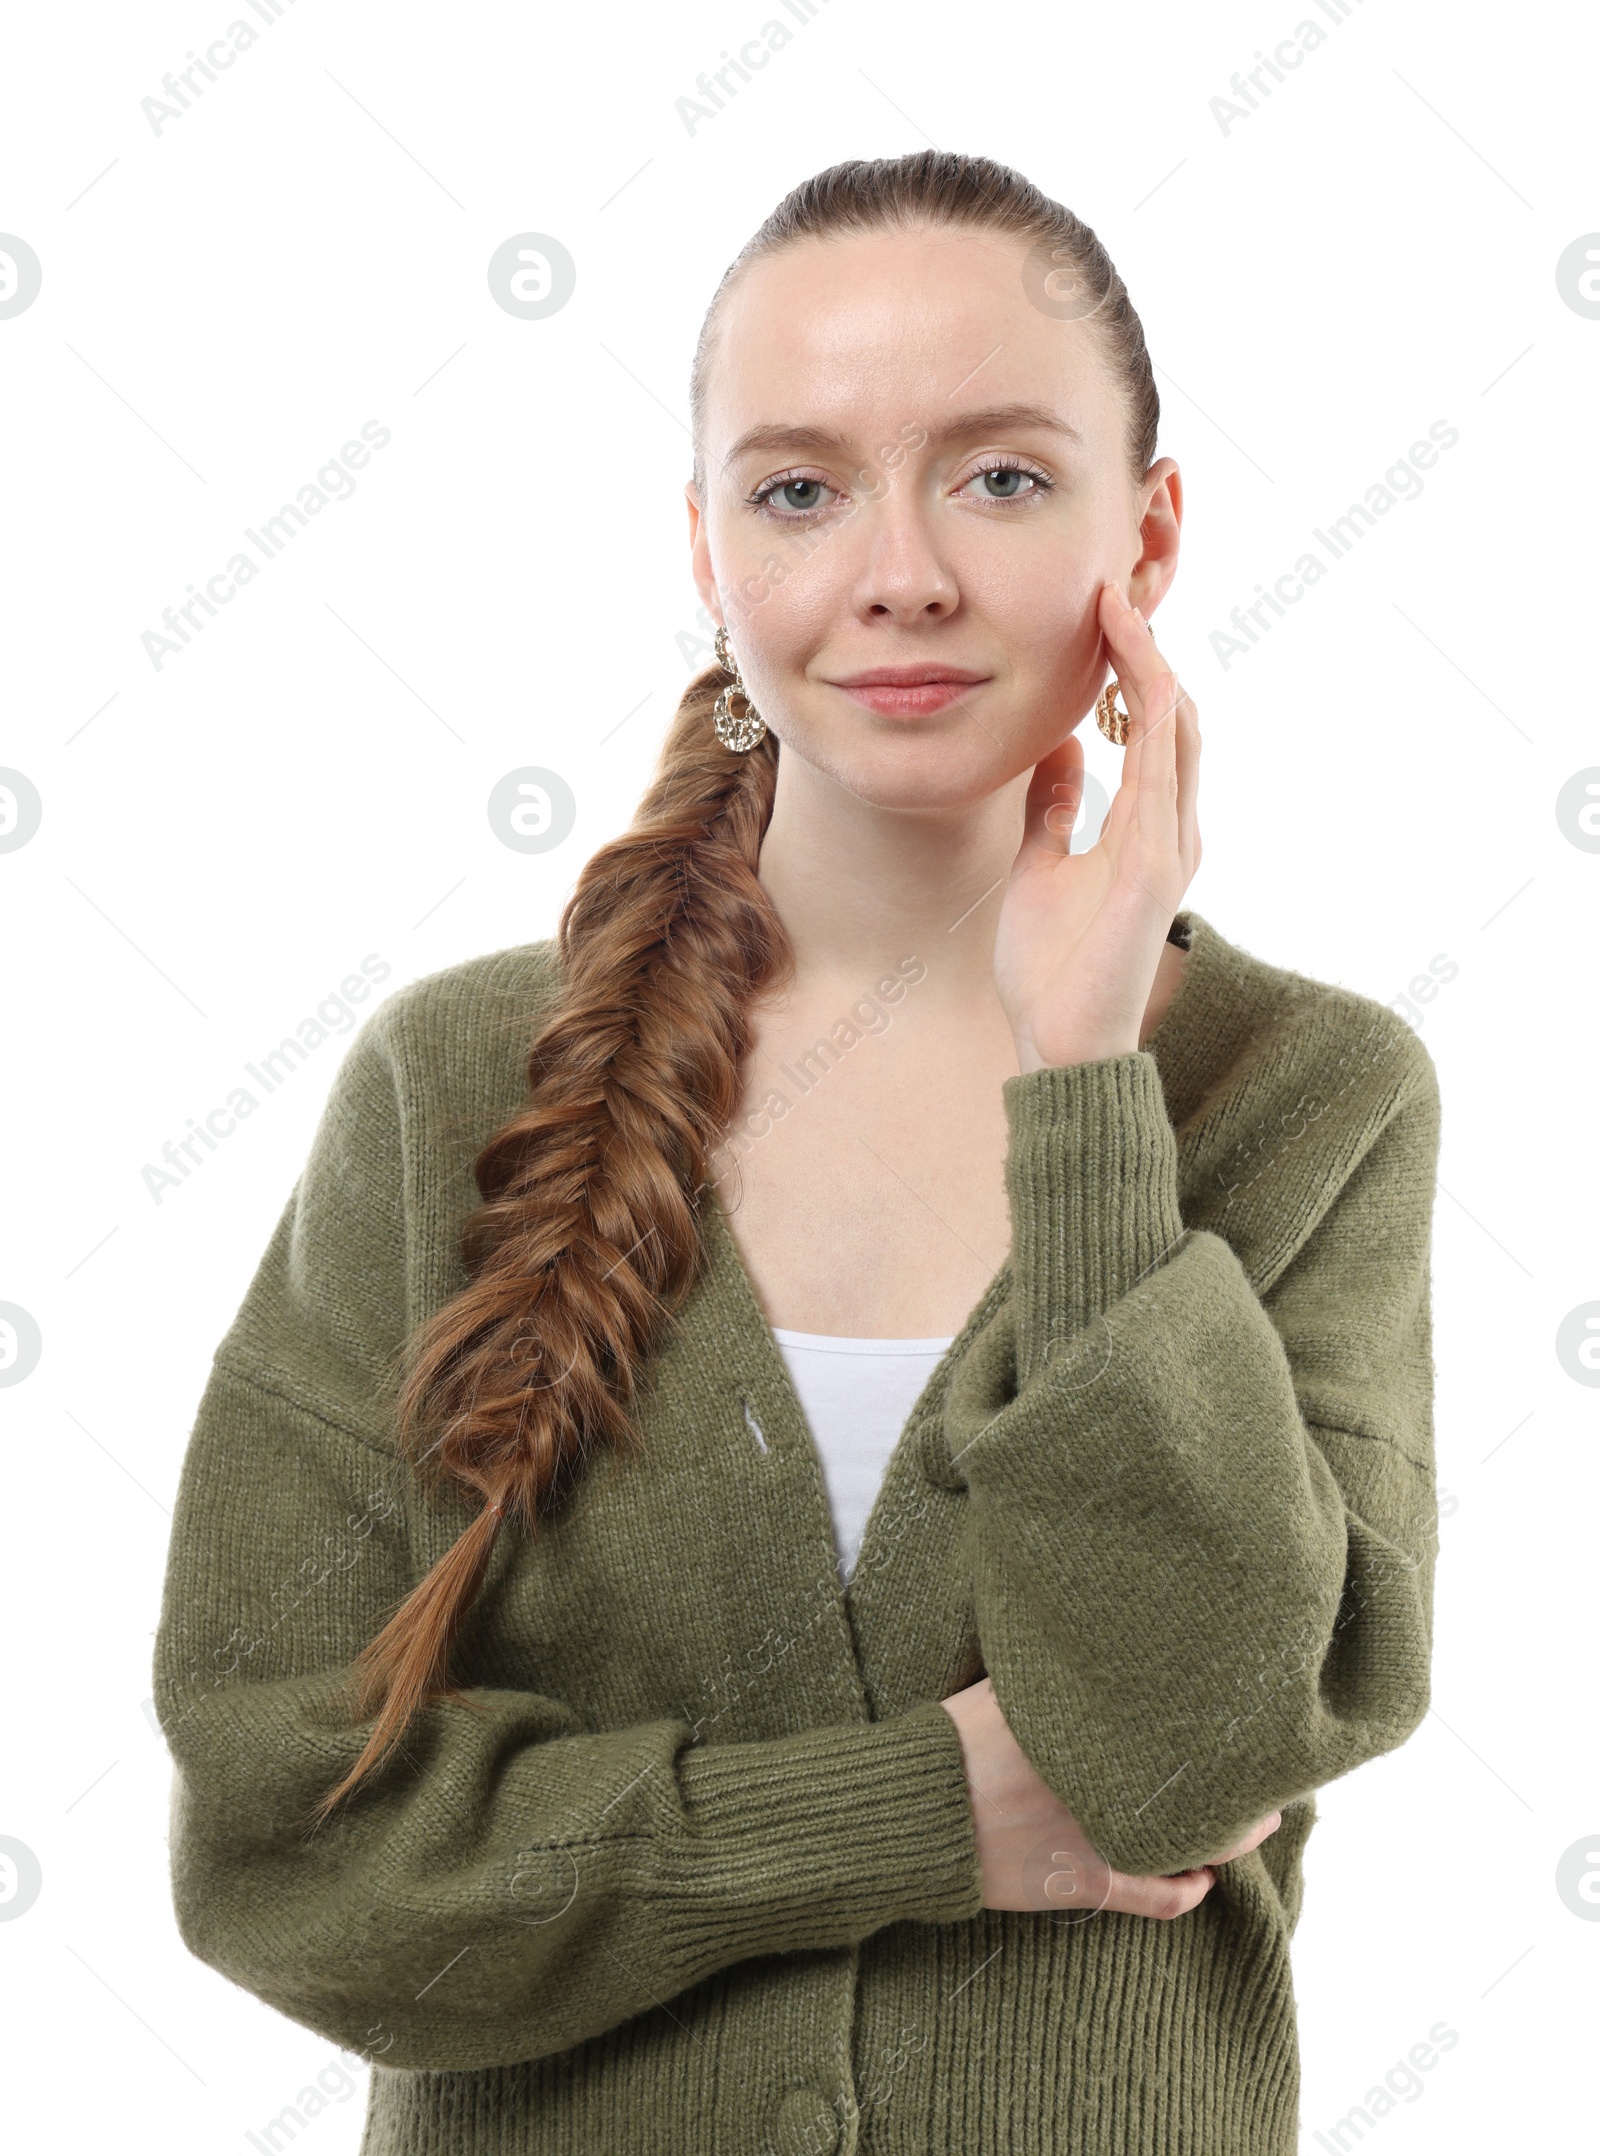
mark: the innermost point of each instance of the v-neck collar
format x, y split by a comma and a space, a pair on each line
1178, 1042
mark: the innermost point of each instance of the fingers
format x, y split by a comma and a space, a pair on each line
1162, 758
1151, 691
1253, 1840
1188, 751
1165, 1897
1055, 797
1148, 683
1137, 1895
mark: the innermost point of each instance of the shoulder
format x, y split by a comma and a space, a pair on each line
1256, 1026
438, 1068
521, 976
365, 1247
1285, 1089
467, 1027
441, 1065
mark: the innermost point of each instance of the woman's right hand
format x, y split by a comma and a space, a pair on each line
1033, 1853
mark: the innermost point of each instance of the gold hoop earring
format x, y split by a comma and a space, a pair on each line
736, 730
1112, 722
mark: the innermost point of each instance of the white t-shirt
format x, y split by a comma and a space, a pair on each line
857, 1396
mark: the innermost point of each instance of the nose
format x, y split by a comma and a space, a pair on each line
905, 579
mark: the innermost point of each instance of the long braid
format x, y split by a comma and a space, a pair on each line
588, 1236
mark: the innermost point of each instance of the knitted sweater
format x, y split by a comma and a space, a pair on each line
698, 1876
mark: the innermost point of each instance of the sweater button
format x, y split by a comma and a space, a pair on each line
807, 2124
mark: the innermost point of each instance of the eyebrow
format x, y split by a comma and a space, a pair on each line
992, 419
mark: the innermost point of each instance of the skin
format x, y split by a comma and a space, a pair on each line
886, 378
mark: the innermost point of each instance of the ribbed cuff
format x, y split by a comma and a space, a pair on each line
820, 1839
1092, 1176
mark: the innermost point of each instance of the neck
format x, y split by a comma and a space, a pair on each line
859, 887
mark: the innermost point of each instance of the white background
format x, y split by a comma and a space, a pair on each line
223, 839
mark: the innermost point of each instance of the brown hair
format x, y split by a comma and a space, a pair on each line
588, 1237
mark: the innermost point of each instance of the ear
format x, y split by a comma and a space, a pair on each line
1149, 580
700, 557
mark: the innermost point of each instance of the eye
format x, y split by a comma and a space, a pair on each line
790, 496
1006, 479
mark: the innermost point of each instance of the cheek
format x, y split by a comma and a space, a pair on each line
1043, 610
790, 595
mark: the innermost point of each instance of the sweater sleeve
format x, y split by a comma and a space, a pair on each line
1202, 1520
520, 1882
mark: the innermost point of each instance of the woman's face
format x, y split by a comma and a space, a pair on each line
911, 471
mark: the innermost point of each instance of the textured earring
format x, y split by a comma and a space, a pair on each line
1112, 722
736, 730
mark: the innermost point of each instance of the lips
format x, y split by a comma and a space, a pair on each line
910, 692
909, 677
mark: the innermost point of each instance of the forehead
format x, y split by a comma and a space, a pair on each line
873, 329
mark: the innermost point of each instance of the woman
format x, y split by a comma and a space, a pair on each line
536, 1736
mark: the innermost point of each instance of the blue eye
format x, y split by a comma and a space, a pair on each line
1003, 482
797, 497
789, 499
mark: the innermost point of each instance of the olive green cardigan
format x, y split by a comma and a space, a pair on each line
699, 1875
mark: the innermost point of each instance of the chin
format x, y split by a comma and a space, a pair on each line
911, 771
